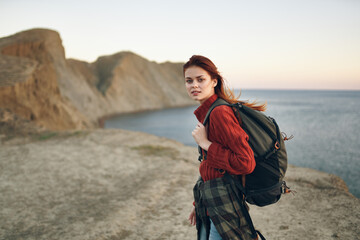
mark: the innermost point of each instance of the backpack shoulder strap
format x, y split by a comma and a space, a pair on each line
217, 103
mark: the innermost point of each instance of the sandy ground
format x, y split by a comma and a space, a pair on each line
116, 184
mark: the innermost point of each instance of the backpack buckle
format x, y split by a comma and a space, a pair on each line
277, 145
285, 189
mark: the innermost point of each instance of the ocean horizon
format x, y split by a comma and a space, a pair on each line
325, 125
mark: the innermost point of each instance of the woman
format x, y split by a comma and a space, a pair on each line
227, 148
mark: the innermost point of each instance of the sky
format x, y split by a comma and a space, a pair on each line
257, 44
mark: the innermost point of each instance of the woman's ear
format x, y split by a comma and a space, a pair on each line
214, 82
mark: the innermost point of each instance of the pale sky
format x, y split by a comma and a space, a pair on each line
277, 44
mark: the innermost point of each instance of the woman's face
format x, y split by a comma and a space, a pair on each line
199, 84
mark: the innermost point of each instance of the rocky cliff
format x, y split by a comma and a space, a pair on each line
38, 83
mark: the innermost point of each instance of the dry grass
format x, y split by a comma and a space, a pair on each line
156, 150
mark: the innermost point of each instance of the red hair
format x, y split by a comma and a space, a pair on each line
220, 89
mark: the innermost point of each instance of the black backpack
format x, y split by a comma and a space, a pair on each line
265, 184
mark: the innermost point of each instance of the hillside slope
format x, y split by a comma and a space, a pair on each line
38, 83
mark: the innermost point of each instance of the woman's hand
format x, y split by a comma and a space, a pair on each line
200, 136
192, 217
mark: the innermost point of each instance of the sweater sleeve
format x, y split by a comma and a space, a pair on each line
229, 150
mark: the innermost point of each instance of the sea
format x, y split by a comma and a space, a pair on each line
325, 125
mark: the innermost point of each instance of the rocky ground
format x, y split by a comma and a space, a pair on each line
116, 184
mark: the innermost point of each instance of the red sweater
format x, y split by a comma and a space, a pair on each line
229, 149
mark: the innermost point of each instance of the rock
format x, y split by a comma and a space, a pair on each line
12, 125
38, 83
31, 88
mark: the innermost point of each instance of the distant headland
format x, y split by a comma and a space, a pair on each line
39, 84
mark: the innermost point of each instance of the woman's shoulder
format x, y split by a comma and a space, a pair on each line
222, 111
222, 117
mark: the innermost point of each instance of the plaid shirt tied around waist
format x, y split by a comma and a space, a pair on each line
218, 198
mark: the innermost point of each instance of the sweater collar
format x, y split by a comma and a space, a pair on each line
202, 110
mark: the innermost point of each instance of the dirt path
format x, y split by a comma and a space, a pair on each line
114, 184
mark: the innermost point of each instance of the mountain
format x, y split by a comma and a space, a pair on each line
39, 84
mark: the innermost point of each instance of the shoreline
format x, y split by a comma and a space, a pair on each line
350, 181
290, 164
101, 120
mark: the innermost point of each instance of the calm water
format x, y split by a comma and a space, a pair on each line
325, 125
